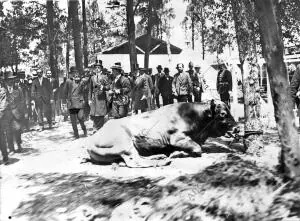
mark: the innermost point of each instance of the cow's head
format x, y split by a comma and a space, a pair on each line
222, 120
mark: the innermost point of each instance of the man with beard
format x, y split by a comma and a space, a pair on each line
15, 101
42, 94
120, 90
182, 84
97, 96
74, 91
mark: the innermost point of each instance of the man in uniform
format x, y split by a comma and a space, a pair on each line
42, 93
120, 90
97, 96
74, 92
15, 101
224, 85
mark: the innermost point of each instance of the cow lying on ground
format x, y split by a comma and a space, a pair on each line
175, 127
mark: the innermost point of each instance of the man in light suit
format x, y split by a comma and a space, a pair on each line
42, 94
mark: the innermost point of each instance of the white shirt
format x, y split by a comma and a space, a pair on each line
41, 80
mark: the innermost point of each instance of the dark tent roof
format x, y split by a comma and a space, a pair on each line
158, 46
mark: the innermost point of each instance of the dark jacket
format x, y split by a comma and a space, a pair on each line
224, 81
99, 85
182, 84
55, 88
122, 84
15, 101
156, 80
295, 85
75, 93
42, 93
165, 86
141, 88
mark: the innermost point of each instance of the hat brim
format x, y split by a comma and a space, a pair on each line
116, 67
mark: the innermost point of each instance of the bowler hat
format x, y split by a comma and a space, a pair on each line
159, 67
166, 70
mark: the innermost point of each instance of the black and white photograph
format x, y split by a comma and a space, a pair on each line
150, 110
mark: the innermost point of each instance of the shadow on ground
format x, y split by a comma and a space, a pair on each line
232, 190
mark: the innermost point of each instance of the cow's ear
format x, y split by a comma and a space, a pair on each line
213, 107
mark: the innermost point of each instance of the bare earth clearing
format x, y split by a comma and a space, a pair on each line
47, 181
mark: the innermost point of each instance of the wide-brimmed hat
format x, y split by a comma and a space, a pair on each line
98, 63
159, 67
9, 75
117, 65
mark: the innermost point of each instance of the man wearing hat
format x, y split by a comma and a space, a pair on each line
120, 90
156, 80
224, 84
97, 96
42, 94
15, 101
74, 92
165, 87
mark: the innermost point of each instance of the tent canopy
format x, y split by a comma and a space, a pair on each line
157, 46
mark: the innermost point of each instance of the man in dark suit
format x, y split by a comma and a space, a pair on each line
120, 90
156, 79
165, 87
42, 94
224, 85
74, 92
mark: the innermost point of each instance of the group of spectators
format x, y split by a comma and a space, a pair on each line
94, 94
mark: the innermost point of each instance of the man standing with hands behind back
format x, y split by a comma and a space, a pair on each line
42, 94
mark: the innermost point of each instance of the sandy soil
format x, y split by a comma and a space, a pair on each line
48, 181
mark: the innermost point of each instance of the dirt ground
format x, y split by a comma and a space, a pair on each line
48, 181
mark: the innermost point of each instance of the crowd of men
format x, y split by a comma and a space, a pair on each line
95, 94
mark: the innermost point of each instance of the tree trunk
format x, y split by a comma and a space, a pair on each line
50, 27
68, 41
193, 30
85, 38
76, 35
148, 39
131, 35
202, 32
270, 31
243, 14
